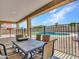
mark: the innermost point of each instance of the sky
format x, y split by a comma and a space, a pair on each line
63, 15
23, 25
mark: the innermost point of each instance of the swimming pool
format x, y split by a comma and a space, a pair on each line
52, 33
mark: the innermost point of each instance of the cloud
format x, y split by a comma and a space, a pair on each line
52, 11
60, 15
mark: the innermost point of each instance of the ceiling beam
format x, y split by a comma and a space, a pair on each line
50, 6
1, 22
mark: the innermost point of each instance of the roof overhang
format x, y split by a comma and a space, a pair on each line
45, 7
50, 6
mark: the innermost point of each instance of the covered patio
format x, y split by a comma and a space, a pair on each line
18, 11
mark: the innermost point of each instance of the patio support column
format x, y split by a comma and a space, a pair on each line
29, 27
0, 29
17, 27
17, 24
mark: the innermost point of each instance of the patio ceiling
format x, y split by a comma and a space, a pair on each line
16, 10
13, 10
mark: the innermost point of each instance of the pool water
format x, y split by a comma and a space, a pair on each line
54, 33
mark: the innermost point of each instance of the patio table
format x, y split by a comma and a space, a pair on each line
28, 45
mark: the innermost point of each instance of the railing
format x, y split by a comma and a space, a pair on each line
12, 31
67, 35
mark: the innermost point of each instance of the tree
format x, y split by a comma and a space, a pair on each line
73, 24
40, 26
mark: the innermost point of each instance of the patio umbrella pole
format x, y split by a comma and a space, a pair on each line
10, 33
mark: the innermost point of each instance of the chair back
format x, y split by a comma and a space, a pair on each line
18, 36
45, 38
38, 37
48, 50
4, 50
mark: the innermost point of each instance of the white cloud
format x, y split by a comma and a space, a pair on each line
55, 17
52, 11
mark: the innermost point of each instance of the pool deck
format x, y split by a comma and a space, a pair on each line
61, 55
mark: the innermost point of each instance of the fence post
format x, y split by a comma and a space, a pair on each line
78, 39
44, 30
